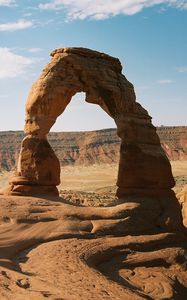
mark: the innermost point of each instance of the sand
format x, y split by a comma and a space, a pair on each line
95, 177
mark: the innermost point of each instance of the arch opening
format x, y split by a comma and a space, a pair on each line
80, 115
88, 152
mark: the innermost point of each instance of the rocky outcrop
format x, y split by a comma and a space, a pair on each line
174, 141
143, 165
53, 250
86, 148
182, 197
71, 148
91, 147
9, 149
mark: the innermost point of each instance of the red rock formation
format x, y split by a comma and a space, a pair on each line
174, 141
143, 166
90, 147
182, 197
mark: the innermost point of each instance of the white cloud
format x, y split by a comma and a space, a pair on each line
27, 14
99, 9
13, 26
7, 2
11, 64
34, 50
182, 69
165, 81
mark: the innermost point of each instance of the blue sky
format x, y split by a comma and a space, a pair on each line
149, 37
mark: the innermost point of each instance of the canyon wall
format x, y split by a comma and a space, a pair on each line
90, 147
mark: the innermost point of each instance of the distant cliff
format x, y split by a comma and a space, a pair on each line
174, 141
91, 147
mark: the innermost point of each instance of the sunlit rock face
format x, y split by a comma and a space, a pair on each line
143, 168
135, 249
182, 197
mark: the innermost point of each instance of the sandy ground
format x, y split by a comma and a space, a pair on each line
96, 177
88, 178
179, 167
4, 177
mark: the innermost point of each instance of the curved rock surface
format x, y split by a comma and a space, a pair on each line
143, 166
50, 249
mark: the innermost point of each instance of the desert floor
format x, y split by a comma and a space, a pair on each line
101, 178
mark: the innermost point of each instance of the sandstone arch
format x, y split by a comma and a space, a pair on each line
143, 167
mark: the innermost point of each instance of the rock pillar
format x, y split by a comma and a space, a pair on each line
144, 168
38, 169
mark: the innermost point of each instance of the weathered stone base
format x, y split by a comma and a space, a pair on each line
31, 190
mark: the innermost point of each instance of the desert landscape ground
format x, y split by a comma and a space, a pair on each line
96, 184
116, 226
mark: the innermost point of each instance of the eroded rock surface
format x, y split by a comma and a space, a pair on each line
143, 166
54, 250
182, 197
174, 141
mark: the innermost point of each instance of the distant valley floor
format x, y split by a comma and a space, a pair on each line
88, 181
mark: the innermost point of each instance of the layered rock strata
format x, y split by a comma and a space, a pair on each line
84, 148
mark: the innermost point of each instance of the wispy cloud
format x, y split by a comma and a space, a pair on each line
27, 14
34, 50
182, 69
43, 23
14, 26
12, 65
99, 9
7, 2
165, 81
